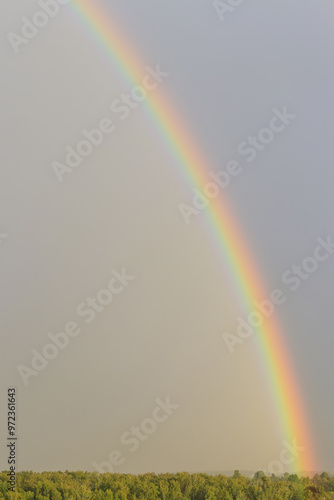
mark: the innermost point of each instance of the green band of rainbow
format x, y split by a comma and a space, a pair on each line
234, 250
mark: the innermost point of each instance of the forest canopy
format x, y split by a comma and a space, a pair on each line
181, 486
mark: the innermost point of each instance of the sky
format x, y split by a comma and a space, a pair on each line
155, 348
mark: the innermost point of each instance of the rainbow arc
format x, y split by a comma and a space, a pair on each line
225, 229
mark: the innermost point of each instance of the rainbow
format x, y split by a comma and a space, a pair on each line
269, 337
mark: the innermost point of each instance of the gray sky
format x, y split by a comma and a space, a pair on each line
161, 335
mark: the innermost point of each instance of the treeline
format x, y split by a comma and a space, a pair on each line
180, 486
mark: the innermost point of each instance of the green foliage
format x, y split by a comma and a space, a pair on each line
181, 486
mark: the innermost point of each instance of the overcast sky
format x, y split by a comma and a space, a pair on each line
118, 209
